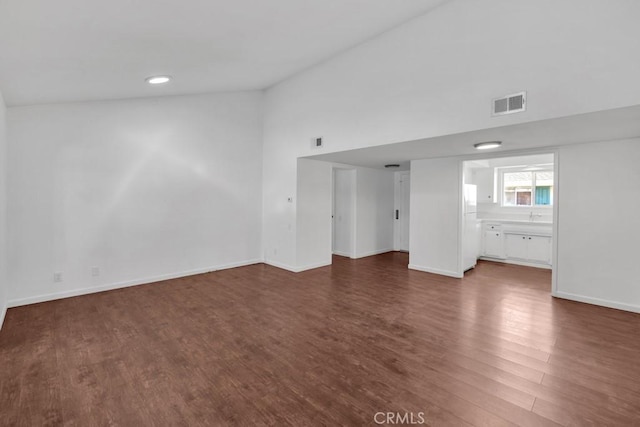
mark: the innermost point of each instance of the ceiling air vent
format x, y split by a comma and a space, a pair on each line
510, 104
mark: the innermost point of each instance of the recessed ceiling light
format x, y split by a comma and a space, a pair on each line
487, 145
158, 80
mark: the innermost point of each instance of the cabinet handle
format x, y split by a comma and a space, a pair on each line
523, 237
497, 235
529, 238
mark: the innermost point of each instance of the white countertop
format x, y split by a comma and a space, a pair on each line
518, 221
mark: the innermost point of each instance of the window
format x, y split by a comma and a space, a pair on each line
527, 188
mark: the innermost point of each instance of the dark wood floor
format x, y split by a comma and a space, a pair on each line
333, 346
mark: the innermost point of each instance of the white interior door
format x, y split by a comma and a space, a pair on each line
401, 229
343, 211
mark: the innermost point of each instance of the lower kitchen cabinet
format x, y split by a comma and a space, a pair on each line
493, 244
516, 246
517, 243
539, 249
523, 247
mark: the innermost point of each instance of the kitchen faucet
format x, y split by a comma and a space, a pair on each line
532, 216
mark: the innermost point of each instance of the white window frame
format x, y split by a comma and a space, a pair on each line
510, 169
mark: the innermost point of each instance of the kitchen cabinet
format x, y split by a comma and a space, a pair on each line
493, 244
485, 181
516, 246
530, 248
517, 242
539, 249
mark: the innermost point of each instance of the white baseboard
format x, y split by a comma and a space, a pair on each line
598, 301
281, 265
108, 287
313, 266
372, 253
363, 254
436, 271
345, 254
514, 262
296, 269
3, 312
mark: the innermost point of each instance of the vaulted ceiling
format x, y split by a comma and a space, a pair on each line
77, 50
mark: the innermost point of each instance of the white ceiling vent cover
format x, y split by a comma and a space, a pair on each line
514, 103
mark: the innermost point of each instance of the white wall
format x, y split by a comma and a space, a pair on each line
3, 212
598, 229
437, 74
314, 222
143, 189
374, 211
436, 203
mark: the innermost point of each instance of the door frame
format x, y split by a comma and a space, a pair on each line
556, 202
397, 205
353, 202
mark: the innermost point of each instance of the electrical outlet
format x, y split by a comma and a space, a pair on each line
57, 277
95, 271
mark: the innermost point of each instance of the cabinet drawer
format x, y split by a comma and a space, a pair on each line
492, 227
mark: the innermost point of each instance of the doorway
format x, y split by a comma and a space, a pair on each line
401, 213
514, 200
343, 213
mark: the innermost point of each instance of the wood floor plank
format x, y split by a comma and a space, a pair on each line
569, 416
332, 346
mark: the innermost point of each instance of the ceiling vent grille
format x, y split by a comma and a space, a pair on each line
509, 104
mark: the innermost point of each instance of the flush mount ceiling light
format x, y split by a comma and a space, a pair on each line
158, 80
487, 145
392, 166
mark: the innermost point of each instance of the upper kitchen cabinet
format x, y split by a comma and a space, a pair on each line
485, 180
